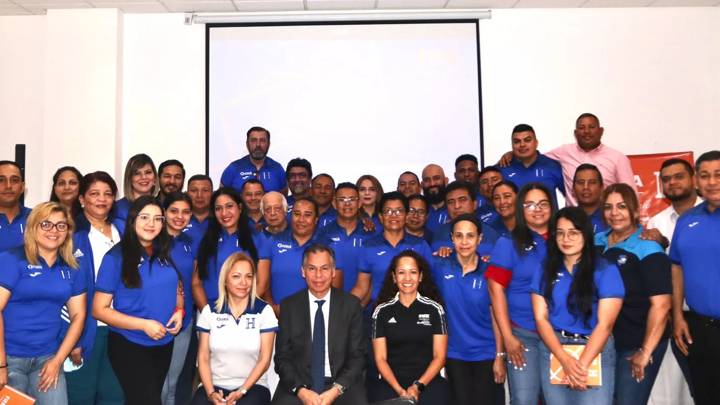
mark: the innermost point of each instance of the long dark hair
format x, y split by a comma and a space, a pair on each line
522, 235
75, 208
582, 290
426, 288
209, 243
132, 250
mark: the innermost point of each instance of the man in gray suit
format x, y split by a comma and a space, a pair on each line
320, 347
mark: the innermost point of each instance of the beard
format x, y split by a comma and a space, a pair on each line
434, 197
258, 154
679, 197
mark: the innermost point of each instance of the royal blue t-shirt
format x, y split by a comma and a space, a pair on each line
608, 284
285, 255
155, 298
12, 234
37, 295
347, 249
521, 267
227, 244
467, 307
443, 238
183, 256
696, 247
543, 170
378, 253
271, 174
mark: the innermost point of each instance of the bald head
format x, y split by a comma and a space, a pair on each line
433, 183
274, 206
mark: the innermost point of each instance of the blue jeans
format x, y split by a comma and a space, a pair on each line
556, 394
24, 375
627, 390
177, 361
525, 383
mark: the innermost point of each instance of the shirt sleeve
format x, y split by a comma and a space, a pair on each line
108, 277
624, 171
226, 178
439, 323
536, 283
204, 319
264, 251
10, 273
675, 256
363, 265
609, 282
502, 262
378, 323
655, 270
268, 320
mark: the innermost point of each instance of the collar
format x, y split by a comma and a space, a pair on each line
598, 149
325, 297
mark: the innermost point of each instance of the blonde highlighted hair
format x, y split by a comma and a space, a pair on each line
230, 262
40, 213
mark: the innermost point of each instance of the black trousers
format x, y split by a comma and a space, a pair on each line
141, 370
257, 395
473, 383
435, 393
354, 395
703, 360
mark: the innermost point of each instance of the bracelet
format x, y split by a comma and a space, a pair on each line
500, 354
642, 350
243, 391
179, 309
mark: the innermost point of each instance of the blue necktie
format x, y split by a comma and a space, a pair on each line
317, 366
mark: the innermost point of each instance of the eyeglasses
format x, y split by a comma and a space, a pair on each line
390, 212
537, 206
271, 209
145, 218
346, 200
417, 212
572, 234
60, 226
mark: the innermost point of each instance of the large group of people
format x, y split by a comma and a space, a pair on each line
435, 293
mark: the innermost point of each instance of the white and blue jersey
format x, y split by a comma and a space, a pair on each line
543, 170
12, 233
37, 294
347, 249
271, 174
183, 256
155, 298
285, 255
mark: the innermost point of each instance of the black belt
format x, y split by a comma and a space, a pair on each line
570, 335
706, 320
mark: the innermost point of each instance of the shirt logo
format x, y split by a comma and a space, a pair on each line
35, 274
337, 239
531, 247
622, 259
222, 325
78, 253
380, 253
33, 266
392, 320
511, 174
424, 319
449, 276
692, 225
284, 246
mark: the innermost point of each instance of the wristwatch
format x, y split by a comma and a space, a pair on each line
420, 386
243, 391
296, 389
339, 387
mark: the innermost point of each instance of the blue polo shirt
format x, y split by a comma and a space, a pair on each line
37, 294
196, 230
608, 284
515, 271
436, 217
645, 271
467, 307
155, 298
499, 227
347, 249
485, 210
378, 253
271, 174
285, 255
443, 238
183, 256
121, 209
226, 245
696, 247
256, 226
543, 170
330, 215
596, 219
11, 233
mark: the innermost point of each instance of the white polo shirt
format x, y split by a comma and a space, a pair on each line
665, 220
235, 344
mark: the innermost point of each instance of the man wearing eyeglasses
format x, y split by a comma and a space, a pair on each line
346, 235
12, 214
416, 218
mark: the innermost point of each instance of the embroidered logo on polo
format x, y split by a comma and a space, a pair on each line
380, 253
35, 274
424, 319
622, 259
531, 247
392, 320
284, 246
692, 225
34, 267
512, 174
78, 253
449, 276
335, 239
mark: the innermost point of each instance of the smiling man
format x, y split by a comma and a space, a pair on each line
255, 165
12, 214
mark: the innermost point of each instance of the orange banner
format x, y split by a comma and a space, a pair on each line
647, 180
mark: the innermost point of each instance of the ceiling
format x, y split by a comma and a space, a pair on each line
28, 7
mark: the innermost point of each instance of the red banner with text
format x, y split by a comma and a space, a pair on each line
647, 180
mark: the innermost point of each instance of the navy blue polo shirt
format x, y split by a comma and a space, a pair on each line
11, 233
436, 217
498, 225
485, 211
696, 247
121, 209
196, 230
608, 284
543, 170
285, 255
347, 248
515, 271
467, 305
645, 270
271, 174
256, 226
330, 215
183, 257
443, 238
378, 253
155, 298
596, 219
37, 294
227, 244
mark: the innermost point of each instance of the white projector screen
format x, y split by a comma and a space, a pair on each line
352, 98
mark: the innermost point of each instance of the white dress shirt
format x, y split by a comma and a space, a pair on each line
326, 317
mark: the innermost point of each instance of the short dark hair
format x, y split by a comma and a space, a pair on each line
707, 157
298, 162
171, 162
587, 115
677, 161
392, 196
466, 157
309, 200
11, 163
523, 128
252, 181
461, 185
324, 175
488, 169
346, 184
200, 177
418, 197
253, 129
91, 178
467, 217
588, 166
316, 247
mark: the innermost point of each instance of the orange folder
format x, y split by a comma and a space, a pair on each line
11, 396
557, 374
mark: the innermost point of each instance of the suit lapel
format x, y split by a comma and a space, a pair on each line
333, 324
304, 319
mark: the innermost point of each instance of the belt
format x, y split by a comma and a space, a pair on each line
570, 335
706, 320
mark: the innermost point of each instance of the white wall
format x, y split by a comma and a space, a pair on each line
652, 75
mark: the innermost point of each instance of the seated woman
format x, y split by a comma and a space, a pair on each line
409, 334
35, 283
475, 365
236, 339
576, 300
